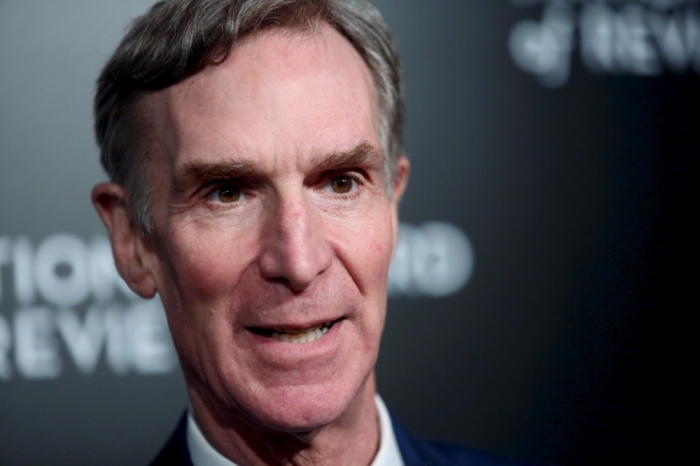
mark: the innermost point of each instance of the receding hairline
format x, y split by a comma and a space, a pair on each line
290, 34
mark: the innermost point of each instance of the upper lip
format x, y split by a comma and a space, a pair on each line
292, 327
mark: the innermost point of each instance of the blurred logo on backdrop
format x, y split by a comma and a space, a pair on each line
62, 299
619, 37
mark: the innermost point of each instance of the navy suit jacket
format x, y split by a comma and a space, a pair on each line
414, 451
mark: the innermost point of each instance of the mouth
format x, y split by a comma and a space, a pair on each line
295, 336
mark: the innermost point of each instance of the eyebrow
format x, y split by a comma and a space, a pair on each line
204, 172
362, 154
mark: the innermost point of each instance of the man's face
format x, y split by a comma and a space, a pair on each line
273, 227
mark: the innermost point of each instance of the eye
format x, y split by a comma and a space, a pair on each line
227, 194
342, 184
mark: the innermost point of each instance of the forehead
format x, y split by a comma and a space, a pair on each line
278, 92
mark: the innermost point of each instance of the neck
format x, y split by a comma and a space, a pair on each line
352, 439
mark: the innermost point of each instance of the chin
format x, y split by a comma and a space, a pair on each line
304, 408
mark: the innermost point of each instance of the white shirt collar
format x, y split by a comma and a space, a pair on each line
388, 453
203, 454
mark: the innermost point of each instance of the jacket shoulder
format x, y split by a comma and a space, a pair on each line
175, 452
418, 452
414, 451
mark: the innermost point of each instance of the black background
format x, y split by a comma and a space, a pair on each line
573, 342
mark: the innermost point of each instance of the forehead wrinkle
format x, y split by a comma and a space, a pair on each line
196, 91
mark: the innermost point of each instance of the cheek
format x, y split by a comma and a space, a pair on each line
205, 266
365, 252
369, 252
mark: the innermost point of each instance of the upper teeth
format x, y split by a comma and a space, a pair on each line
302, 336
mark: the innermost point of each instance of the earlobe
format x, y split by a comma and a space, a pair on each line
128, 246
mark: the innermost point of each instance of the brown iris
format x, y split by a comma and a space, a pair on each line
341, 184
229, 194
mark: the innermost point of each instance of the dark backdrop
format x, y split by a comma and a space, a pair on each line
572, 342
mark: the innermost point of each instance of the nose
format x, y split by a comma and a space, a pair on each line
294, 250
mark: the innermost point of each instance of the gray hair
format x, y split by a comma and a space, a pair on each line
177, 38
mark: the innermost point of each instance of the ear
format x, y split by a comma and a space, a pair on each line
399, 182
131, 255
